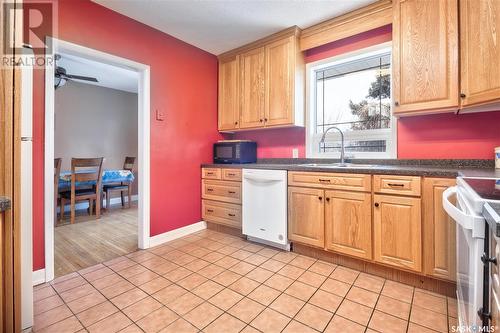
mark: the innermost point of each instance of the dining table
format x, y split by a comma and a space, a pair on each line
109, 176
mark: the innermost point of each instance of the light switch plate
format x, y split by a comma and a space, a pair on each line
295, 153
160, 116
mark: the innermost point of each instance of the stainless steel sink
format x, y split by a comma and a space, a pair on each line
338, 165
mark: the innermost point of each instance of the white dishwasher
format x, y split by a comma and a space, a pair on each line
264, 205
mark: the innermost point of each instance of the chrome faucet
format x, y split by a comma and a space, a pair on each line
342, 150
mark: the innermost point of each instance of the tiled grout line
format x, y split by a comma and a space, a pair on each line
374, 306
323, 282
239, 247
66, 304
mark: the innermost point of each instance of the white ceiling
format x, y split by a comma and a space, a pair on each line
218, 26
108, 76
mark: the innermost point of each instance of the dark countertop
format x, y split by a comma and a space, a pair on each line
429, 168
4, 204
491, 212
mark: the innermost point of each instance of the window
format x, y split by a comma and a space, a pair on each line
352, 93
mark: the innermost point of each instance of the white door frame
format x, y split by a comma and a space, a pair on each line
60, 46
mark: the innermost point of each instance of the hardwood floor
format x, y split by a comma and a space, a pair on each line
89, 241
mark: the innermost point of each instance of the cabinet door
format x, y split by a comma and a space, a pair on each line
439, 231
252, 88
425, 55
279, 82
397, 231
348, 223
480, 51
229, 97
306, 216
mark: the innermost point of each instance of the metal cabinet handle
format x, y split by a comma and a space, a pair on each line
377, 204
396, 103
327, 199
462, 95
261, 120
231, 174
320, 198
324, 180
232, 215
210, 173
395, 185
231, 192
487, 259
210, 189
210, 210
236, 123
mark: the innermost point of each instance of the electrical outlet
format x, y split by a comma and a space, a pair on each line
295, 153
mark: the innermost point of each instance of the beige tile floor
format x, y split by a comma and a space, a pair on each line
212, 282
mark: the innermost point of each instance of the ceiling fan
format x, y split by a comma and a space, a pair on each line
61, 77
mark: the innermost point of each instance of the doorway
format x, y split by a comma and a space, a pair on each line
143, 139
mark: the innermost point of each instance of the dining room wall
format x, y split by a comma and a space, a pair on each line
95, 121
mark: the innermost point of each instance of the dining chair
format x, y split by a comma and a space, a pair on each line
57, 173
84, 170
122, 187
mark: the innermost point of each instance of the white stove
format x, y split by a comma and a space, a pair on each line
471, 194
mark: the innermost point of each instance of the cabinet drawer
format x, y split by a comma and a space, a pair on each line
211, 173
401, 185
222, 213
231, 174
352, 182
221, 190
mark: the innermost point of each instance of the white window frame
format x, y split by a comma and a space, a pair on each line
313, 139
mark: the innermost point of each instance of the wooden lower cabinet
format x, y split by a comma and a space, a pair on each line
306, 216
222, 213
439, 231
348, 223
397, 231
221, 199
220, 190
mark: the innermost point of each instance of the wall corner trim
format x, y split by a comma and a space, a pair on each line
177, 233
38, 277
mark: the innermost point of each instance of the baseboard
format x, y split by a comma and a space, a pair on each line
85, 205
39, 277
177, 233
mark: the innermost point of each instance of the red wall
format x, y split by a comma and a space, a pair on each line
183, 85
450, 136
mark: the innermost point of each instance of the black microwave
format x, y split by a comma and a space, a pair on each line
235, 152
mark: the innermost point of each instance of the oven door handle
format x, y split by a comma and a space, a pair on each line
464, 220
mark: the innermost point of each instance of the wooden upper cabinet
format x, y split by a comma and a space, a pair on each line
439, 231
229, 98
425, 56
306, 216
271, 84
252, 65
397, 231
279, 82
348, 223
480, 51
